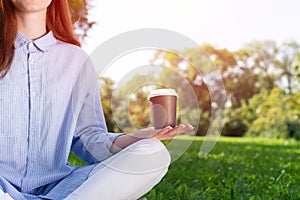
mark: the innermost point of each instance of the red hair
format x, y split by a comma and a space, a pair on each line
58, 21
8, 32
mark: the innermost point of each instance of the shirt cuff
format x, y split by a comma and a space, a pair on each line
113, 136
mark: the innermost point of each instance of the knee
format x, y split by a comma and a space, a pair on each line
144, 156
148, 146
154, 151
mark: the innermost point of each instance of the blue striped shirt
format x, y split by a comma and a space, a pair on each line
49, 105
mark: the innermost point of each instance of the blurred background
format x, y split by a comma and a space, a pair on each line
254, 44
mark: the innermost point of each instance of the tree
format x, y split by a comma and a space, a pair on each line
273, 114
139, 109
261, 60
106, 89
79, 11
297, 68
259, 66
129, 108
240, 83
188, 81
257, 100
288, 56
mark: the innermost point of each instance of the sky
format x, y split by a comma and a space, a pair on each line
223, 23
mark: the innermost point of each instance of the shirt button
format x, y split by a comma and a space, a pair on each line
33, 94
30, 45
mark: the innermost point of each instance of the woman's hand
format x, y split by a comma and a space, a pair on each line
166, 133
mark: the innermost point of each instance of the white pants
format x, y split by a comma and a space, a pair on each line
128, 174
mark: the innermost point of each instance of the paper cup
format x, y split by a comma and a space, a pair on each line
163, 107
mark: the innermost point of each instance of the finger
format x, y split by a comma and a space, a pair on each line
160, 132
164, 130
171, 133
146, 133
186, 128
180, 129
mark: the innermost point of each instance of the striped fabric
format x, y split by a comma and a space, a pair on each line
49, 105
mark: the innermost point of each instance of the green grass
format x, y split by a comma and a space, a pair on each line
236, 168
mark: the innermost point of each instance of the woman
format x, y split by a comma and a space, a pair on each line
50, 105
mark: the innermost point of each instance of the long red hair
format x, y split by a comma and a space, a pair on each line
58, 21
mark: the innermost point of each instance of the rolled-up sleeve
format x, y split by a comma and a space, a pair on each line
91, 141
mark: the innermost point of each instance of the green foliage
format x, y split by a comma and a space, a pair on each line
249, 75
260, 81
126, 108
274, 115
139, 108
106, 91
262, 60
222, 58
237, 168
75, 161
251, 108
288, 56
297, 68
234, 124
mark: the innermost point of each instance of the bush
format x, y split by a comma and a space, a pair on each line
273, 115
294, 130
234, 125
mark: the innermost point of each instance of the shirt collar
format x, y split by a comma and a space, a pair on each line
43, 43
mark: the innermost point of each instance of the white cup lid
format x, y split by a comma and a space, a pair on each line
162, 92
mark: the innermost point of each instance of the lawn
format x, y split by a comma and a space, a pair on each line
236, 168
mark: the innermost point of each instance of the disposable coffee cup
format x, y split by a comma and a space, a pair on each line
163, 107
